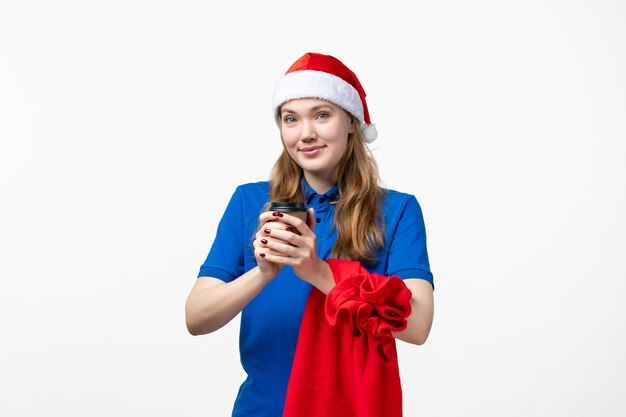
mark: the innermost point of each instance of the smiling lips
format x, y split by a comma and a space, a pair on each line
311, 150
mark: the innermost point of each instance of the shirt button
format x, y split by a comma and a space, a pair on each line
317, 220
321, 200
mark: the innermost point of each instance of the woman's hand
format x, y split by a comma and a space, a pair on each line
269, 269
281, 246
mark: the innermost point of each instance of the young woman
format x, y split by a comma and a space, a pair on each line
258, 266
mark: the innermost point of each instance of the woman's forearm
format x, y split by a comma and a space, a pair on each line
420, 321
209, 308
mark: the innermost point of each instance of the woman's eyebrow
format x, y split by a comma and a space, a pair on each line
320, 107
311, 110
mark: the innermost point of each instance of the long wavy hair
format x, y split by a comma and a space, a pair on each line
358, 212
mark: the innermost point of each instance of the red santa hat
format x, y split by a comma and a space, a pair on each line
325, 77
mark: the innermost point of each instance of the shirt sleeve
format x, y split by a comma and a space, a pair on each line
408, 256
226, 257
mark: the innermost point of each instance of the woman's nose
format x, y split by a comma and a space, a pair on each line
307, 133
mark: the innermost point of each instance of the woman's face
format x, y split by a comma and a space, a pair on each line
315, 134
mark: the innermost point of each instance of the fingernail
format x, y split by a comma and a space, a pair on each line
264, 241
289, 229
267, 231
277, 214
262, 255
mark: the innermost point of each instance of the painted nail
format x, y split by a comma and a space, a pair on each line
277, 214
264, 241
262, 255
267, 231
289, 229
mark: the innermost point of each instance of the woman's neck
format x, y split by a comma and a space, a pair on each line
320, 184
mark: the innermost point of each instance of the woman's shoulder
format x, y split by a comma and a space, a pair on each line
401, 208
255, 191
254, 186
400, 202
397, 197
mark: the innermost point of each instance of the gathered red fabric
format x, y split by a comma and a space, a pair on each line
346, 362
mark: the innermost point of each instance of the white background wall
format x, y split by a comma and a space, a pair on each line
126, 125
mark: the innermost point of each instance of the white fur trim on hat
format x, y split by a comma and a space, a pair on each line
317, 84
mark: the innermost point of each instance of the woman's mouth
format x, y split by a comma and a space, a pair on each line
312, 150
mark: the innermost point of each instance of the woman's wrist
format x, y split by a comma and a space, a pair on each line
323, 279
266, 276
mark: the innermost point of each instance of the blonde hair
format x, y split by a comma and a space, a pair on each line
358, 213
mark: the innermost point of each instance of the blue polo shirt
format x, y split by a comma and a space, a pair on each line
271, 321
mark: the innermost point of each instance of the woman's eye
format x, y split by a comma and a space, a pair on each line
323, 116
290, 119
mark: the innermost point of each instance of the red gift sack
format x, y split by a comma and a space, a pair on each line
346, 362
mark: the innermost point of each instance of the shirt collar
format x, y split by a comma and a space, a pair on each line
310, 193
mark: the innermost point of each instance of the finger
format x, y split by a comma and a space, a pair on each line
274, 224
279, 232
310, 219
267, 216
296, 223
261, 254
262, 243
280, 259
285, 235
281, 248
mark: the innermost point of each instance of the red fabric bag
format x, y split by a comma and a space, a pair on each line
346, 363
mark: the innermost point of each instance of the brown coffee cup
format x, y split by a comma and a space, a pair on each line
295, 209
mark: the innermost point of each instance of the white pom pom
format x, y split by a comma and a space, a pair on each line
369, 132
